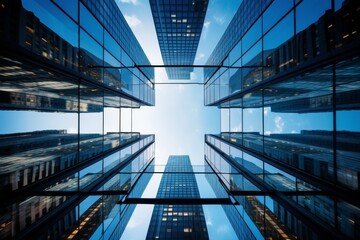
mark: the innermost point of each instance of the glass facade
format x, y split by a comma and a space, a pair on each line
285, 76
289, 114
67, 86
178, 26
178, 221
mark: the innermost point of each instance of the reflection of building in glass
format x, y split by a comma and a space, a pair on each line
178, 221
178, 26
237, 221
86, 178
30, 157
52, 76
290, 101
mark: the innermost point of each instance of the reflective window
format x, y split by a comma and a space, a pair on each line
252, 36
54, 19
347, 123
91, 121
278, 47
298, 122
70, 7
91, 54
253, 121
276, 10
252, 63
90, 24
309, 12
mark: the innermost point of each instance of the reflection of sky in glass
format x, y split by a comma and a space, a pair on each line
179, 119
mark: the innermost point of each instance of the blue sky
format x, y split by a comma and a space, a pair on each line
179, 119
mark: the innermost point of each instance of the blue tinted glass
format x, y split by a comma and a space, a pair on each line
276, 10
309, 12
90, 24
70, 7
54, 18
92, 50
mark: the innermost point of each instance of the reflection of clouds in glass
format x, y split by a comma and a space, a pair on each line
222, 229
220, 20
135, 2
249, 111
293, 131
236, 128
72, 130
266, 111
267, 132
132, 20
193, 76
250, 128
132, 223
279, 124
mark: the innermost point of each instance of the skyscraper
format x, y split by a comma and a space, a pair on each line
65, 129
286, 101
178, 221
178, 26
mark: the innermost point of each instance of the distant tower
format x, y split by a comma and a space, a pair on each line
178, 221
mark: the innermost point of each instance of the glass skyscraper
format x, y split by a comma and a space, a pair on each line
176, 221
68, 154
286, 89
178, 26
284, 77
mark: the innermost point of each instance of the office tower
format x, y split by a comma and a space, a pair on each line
178, 221
68, 155
178, 27
287, 90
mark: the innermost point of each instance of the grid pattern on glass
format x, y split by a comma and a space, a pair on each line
178, 26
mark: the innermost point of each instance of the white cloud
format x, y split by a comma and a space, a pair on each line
266, 111
135, 2
222, 229
199, 56
219, 20
267, 132
206, 29
132, 20
207, 24
132, 223
249, 110
237, 128
72, 130
193, 76
279, 124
